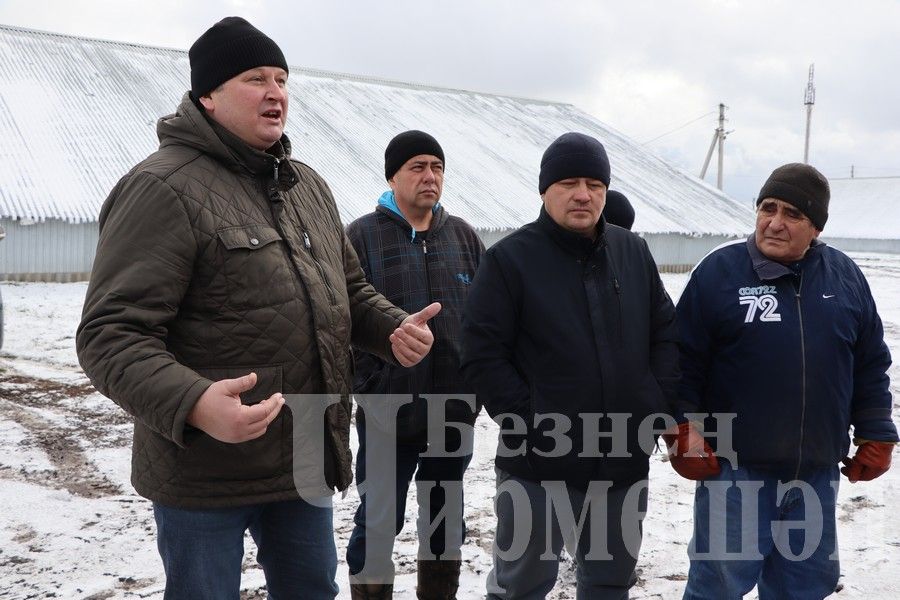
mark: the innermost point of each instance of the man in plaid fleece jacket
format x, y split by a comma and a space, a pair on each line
414, 253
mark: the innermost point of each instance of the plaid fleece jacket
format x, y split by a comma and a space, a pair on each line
412, 270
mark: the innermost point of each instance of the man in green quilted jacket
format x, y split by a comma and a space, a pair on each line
224, 287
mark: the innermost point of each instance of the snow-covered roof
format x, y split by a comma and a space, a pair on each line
864, 208
77, 113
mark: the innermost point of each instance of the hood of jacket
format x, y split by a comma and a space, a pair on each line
387, 204
189, 126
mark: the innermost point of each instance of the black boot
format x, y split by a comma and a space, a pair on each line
371, 591
438, 579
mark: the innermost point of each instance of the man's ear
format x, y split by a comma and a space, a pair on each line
207, 103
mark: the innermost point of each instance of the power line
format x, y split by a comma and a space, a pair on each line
680, 127
857, 170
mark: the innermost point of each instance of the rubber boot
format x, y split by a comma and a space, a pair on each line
438, 579
371, 591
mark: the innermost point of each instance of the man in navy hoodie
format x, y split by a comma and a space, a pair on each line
782, 351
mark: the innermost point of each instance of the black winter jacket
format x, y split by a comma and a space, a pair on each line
556, 323
413, 270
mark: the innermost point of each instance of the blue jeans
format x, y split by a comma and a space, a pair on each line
202, 550
737, 545
428, 471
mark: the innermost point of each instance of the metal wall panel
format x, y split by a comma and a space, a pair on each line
54, 250
51, 250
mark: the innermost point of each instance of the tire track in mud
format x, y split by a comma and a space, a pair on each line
61, 438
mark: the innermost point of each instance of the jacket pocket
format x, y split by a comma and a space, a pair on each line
255, 266
555, 443
647, 399
248, 237
205, 459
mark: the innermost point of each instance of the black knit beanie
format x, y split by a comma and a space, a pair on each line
800, 185
618, 209
229, 48
573, 155
406, 145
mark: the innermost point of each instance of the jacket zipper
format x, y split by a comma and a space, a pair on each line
619, 304
427, 273
275, 196
319, 268
278, 208
803, 375
618, 289
430, 300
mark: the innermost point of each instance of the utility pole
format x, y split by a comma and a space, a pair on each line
810, 100
721, 128
718, 138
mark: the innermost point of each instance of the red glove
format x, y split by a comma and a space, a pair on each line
690, 455
871, 460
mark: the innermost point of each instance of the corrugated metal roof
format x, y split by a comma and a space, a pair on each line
77, 113
864, 208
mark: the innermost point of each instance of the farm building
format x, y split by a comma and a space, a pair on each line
76, 114
864, 215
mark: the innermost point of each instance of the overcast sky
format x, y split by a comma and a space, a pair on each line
644, 68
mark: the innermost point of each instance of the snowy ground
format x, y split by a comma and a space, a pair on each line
72, 527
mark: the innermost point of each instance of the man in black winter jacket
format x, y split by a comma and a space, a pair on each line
569, 340
414, 253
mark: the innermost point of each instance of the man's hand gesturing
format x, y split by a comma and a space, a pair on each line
413, 339
220, 413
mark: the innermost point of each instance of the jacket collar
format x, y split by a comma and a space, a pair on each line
768, 269
190, 126
387, 205
570, 241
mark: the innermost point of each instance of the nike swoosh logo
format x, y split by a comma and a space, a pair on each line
826, 296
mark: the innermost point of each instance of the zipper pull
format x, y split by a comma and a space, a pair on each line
306, 240
616, 285
424, 247
275, 169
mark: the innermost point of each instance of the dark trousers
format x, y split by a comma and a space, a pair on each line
439, 490
530, 538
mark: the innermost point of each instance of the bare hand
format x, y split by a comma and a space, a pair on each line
413, 339
220, 413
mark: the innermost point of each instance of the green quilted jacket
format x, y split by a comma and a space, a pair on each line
215, 260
